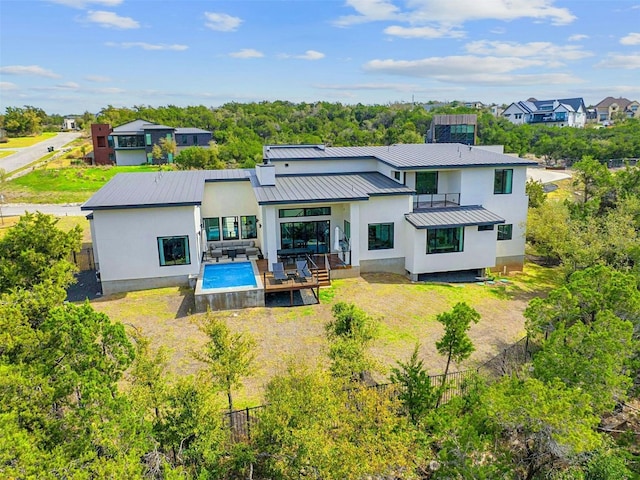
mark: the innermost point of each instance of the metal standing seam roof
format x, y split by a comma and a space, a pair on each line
453, 217
401, 156
158, 189
328, 188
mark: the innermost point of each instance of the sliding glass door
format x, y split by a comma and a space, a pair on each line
311, 235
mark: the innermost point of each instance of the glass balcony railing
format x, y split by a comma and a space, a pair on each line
432, 200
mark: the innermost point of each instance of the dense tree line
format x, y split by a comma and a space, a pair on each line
80, 397
241, 129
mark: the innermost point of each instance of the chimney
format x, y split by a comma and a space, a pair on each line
266, 173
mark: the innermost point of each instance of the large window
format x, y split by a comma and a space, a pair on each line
230, 228
130, 141
505, 232
173, 251
445, 240
313, 236
426, 183
304, 212
212, 228
248, 227
380, 236
503, 181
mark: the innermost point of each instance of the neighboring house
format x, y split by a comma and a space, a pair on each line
564, 112
453, 129
133, 142
69, 124
103, 152
610, 108
414, 209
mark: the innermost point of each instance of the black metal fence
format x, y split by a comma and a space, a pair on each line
510, 359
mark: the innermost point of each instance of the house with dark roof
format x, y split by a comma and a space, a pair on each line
133, 142
610, 108
414, 209
458, 128
564, 112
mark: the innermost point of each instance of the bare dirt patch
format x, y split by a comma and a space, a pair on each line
406, 311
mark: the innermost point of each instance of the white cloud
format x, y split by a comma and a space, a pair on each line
631, 39
456, 12
308, 55
97, 78
247, 53
423, 32
577, 37
84, 3
542, 50
28, 70
453, 66
111, 20
8, 86
369, 11
222, 22
147, 46
68, 86
627, 62
398, 87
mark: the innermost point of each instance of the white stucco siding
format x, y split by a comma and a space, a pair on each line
226, 199
387, 209
478, 252
128, 246
130, 157
315, 166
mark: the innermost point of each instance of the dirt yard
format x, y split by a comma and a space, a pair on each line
406, 311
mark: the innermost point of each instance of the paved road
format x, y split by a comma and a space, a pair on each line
12, 209
26, 155
546, 176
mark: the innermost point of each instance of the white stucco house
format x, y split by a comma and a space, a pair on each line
415, 210
564, 112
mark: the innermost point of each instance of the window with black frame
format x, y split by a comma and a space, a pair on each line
426, 183
380, 236
230, 229
503, 181
173, 250
212, 228
505, 232
249, 226
445, 240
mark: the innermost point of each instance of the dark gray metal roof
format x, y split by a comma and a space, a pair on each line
401, 156
453, 217
456, 119
327, 188
190, 130
158, 189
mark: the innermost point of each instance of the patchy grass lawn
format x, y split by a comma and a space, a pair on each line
64, 185
6, 153
64, 223
20, 142
565, 190
407, 313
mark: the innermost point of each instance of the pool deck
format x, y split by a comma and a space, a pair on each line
267, 282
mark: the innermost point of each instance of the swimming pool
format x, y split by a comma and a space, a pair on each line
229, 286
227, 275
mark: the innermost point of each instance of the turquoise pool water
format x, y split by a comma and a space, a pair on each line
226, 275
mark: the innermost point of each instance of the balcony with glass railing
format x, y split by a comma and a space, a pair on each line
434, 200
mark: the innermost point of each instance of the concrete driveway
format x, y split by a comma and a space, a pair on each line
27, 155
547, 176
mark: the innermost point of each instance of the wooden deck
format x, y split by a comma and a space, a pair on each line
292, 284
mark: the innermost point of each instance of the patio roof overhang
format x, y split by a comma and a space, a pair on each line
453, 217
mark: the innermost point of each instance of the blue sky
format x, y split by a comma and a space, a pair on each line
70, 56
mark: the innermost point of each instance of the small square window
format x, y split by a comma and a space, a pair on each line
503, 181
380, 236
173, 251
505, 232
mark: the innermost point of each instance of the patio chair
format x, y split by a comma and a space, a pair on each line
278, 272
302, 269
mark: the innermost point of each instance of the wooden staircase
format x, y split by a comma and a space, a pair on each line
323, 277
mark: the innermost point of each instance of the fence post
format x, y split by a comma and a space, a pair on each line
248, 425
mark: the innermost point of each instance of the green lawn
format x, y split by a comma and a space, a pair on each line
5, 153
64, 185
26, 141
